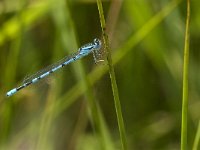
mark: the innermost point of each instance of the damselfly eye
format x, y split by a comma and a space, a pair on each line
96, 41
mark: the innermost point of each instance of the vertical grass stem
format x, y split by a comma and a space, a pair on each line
185, 82
112, 77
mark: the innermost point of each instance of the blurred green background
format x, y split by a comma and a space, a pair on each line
147, 42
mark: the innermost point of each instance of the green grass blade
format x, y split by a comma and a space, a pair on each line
112, 77
185, 82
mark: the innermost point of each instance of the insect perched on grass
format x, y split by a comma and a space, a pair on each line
93, 47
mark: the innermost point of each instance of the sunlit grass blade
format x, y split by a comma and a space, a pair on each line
11, 28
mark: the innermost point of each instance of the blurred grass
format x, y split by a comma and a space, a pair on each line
147, 48
197, 138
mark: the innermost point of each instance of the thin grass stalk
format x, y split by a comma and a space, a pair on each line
185, 82
112, 77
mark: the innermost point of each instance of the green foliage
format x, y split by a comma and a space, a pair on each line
74, 108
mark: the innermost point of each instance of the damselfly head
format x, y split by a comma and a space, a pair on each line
97, 43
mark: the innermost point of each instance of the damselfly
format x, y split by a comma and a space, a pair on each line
93, 47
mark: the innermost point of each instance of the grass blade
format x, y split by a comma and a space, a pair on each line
185, 82
112, 77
